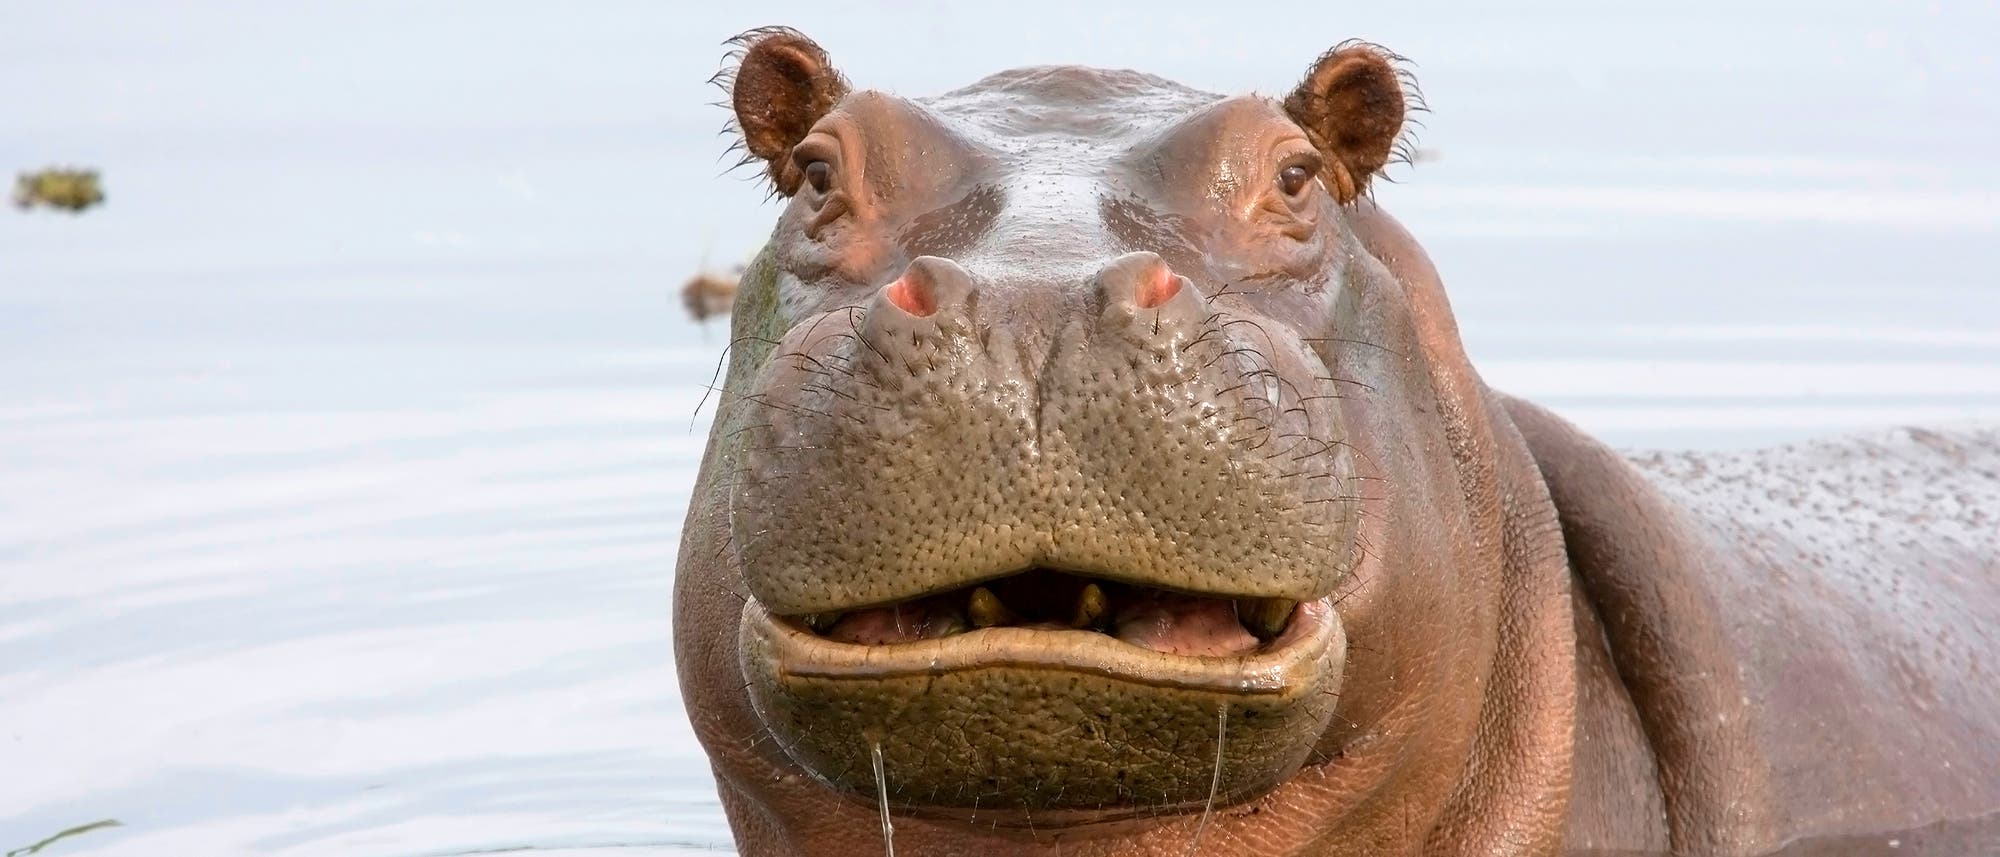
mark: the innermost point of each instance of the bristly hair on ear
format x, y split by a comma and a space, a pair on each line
1404, 148
725, 79
1413, 96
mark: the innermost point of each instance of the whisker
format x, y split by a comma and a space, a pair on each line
1215, 779
882, 796
1351, 342
1367, 387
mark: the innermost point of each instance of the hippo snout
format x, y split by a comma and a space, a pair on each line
943, 431
1109, 488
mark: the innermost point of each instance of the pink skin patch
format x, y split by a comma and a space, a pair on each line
1185, 625
1167, 622
1162, 288
902, 623
912, 295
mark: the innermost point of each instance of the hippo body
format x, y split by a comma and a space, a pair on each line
1098, 472
1790, 642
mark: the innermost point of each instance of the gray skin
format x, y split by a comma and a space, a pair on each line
1098, 472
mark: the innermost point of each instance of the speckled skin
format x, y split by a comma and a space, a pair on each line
865, 406
1804, 636
1524, 643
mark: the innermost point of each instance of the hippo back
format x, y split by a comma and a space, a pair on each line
1860, 603
1782, 651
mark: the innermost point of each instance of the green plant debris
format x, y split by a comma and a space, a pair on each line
68, 189
78, 830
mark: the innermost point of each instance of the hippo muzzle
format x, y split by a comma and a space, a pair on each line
1044, 571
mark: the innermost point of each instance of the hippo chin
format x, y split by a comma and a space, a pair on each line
1099, 473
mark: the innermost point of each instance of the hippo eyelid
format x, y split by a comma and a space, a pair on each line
1295, 152
817, 147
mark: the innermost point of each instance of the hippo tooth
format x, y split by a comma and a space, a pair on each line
986, 611
1265, 617
944, 624
821, 622
1091, 607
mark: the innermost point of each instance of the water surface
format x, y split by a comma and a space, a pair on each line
343, 453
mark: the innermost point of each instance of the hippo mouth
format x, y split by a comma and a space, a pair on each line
1046, 699
1043, 619
1043, 599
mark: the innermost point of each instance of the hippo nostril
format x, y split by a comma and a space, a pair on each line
913, 294
1158, 289
1140, 281
929, 285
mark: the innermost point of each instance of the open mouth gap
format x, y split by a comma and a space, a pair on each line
1046, 599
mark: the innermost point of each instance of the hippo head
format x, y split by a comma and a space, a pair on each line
1096, 464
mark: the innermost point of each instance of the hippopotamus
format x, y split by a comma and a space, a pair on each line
1098, 471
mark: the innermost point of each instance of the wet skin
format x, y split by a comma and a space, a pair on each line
1098, 471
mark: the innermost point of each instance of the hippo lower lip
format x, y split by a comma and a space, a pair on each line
1272, 667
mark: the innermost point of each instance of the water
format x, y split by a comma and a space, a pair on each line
343, 452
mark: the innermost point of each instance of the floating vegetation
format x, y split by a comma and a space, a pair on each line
710, 294
71, 190
78, 830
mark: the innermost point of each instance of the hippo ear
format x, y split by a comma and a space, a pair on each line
1351, 105
782, 84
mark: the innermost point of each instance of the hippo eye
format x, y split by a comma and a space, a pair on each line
1293, 179
819, 174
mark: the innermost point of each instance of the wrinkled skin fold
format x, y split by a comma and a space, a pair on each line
1098, 472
